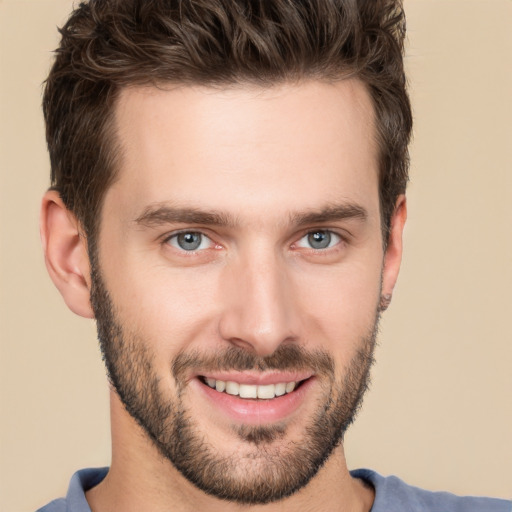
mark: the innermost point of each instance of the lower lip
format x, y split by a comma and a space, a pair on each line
257, 411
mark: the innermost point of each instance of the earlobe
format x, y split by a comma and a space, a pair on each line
65, 252
393, 254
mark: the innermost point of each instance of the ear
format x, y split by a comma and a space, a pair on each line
65, 252
393, 254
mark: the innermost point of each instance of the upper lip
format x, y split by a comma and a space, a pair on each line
257, 378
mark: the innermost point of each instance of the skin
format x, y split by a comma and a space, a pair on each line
264, 159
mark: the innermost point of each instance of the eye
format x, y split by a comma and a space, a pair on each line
319, 240
190, 241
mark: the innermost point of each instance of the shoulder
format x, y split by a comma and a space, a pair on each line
391, 493
58, 505
75, 501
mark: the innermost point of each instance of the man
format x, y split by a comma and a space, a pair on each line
228, 204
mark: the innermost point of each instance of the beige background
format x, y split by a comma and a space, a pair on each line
440, 410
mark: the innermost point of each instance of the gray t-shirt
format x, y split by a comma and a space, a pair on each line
391, 495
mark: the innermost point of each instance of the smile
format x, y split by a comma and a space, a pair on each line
255, 399
264, 392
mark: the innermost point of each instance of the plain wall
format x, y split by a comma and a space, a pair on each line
439, 413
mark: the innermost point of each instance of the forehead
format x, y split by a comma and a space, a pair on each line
246, 148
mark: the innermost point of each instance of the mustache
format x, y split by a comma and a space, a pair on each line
285, 358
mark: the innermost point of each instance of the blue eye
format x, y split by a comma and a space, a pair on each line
190, 241
319, 240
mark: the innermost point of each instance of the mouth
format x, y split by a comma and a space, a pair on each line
255, 399
252, 391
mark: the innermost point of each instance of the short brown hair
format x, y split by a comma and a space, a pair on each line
110, 44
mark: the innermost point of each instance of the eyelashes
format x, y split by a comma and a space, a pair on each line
319, 240
191, 241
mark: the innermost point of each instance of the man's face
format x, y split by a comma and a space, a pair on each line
238, 277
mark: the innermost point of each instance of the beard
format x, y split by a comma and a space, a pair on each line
272, 467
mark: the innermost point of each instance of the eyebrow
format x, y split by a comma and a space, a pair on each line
331, 213
160, 214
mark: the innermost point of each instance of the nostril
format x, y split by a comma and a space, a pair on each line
245, 345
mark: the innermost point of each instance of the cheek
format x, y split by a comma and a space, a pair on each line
340, 306
166, 308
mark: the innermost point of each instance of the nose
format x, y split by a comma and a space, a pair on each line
260, 306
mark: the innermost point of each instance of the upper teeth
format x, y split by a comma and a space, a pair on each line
250, 390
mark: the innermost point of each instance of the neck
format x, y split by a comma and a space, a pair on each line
140, 478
